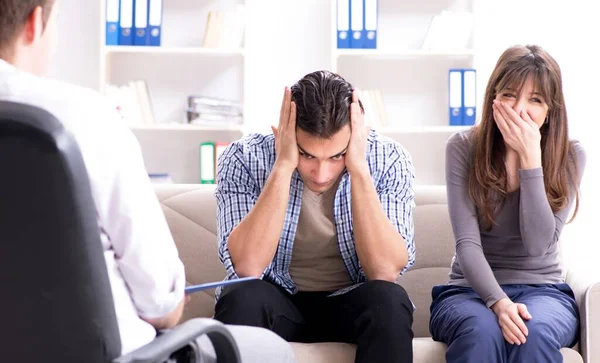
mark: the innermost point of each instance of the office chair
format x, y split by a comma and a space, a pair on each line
56, 301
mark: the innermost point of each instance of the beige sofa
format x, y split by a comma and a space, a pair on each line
191, 214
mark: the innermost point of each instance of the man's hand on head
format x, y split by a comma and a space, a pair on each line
286, 146
356, 156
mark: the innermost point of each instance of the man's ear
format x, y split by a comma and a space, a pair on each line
274, 131
34, 27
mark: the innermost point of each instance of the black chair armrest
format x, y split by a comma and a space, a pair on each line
161, 348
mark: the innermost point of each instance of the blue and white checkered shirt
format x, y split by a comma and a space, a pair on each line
243, 170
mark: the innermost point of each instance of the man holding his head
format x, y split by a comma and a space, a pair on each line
321, 212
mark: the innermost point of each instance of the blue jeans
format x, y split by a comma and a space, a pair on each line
460, 319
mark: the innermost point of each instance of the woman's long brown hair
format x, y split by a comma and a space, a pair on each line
488, 180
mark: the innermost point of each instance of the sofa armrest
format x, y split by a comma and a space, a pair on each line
161, 348
588, 299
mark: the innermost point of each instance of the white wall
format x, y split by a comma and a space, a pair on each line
296, 41
285, 47
78, 54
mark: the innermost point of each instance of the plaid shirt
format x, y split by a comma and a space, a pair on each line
242, 172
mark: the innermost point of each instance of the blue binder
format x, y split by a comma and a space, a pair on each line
455, 96
370, 25
112, 22
356, 24
126, 23
140, 24
343, 24
155, 13
469, 96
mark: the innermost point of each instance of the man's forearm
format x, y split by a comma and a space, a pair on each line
380, 248
253, 243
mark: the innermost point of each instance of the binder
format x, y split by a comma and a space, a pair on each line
155, 13
370, 38
126, 23
140, 24
343, 24
112, 22
469, 97
211, 285
455, 96
207, 163
356, 24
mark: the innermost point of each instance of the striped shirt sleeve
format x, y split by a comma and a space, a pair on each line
397, 198
236, 194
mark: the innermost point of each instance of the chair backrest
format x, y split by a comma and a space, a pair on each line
56, 298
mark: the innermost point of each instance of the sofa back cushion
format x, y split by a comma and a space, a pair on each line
190, 211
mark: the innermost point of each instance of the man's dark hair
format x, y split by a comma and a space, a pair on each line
14, 14
323, 101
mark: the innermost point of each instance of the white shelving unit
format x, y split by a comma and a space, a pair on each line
400, 53
423, 130
188, 127
108, 50
179, 68
413, 81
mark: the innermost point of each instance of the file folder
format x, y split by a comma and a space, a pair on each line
207, 163
155, 9
370, 38
112, 22
343, 24
455, 96
211, 285
140, 24
356, 24
126, 23
469, 97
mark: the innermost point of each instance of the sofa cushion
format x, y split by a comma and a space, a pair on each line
434, 250
191, 213
425, 350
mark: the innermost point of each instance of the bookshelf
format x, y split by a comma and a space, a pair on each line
188, 127
422, 130
400, 53
411, 78
108, 50
179, 68
413, 81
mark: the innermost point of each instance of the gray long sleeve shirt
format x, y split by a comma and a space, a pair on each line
521, 247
